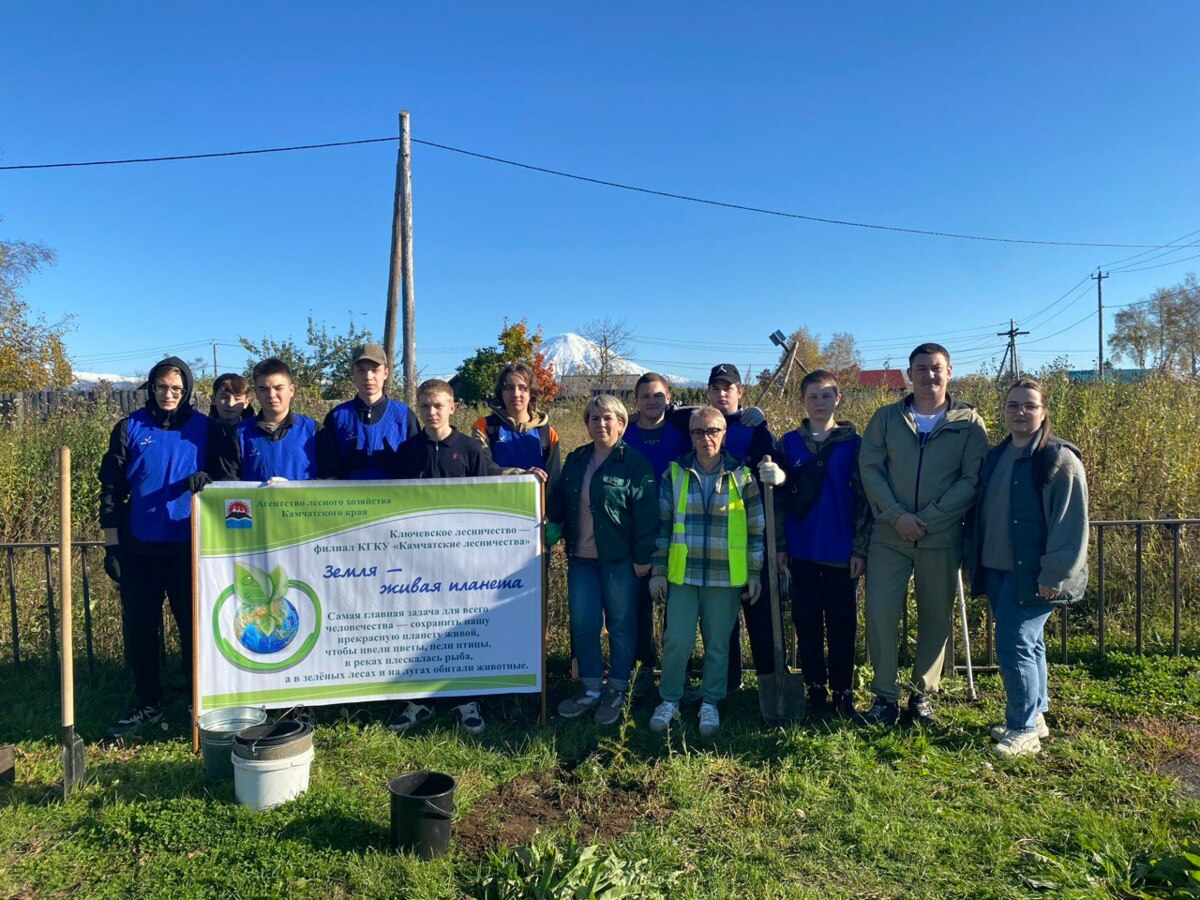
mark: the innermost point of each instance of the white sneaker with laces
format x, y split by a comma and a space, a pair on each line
412, 714
1043, 730
1018, 743
710, 719
666, 713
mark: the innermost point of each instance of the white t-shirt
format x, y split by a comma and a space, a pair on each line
926, 424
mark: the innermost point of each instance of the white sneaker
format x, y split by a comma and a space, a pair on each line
1043, 730
666, 713
470, 717
412, 714
1018, 743
710, 719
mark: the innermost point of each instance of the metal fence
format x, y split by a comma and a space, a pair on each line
23, 596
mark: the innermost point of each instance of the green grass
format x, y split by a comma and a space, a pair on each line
819, 810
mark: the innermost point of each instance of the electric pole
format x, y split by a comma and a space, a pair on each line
1099, 279
215, 369
1014, 365
400, 273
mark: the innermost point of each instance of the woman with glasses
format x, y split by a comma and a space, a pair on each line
1026, 549
708, 555
604, 505
155, 461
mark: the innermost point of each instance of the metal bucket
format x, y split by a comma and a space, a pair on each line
217, 729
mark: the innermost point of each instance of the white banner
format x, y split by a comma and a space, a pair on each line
330, 592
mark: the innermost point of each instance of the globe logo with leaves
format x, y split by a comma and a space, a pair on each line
264, 620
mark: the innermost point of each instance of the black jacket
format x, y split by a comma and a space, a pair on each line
458, 456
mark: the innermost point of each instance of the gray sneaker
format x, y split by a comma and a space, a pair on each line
609, 709
578, 705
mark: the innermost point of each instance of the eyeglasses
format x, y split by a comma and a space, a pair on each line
1019, 407
169, 390
707, 432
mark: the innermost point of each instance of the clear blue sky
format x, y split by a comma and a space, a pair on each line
1062, 122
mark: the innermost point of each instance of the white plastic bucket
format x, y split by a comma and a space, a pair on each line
263, 783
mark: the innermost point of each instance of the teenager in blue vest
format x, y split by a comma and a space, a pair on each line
661, 442
827, 529
155, 461
362, 436
276, 444
516, 433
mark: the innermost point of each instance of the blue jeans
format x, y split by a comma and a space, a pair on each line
601, 593
1020, 650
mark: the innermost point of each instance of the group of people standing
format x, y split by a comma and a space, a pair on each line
665, 506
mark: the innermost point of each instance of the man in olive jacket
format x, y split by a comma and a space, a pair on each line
919, 462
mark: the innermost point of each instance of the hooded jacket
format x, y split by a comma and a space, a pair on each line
936, 477
144, 474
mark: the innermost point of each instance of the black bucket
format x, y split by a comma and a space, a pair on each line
422, 807
275, 740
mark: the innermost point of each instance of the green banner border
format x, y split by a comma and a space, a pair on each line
370, 690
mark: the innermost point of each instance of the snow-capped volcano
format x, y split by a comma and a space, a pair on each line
572, 354
86, 381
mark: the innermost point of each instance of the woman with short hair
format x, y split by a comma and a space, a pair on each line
605, 505
1026, 549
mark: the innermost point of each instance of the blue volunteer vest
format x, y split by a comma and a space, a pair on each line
670, 444
737, 441
370, 445
160, 505
293, 456
826, 533
516, 449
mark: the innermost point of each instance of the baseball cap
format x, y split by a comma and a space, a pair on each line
372, 352
725, 372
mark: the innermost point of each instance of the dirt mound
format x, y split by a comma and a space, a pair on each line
517, 810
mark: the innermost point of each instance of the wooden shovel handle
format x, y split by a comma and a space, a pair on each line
768, 495
66, 656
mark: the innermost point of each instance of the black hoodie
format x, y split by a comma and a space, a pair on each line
162, 516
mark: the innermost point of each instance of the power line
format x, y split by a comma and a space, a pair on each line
824, 220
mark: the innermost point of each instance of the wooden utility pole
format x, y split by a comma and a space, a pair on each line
400, 272
1010, 354
216, 371
1099, 279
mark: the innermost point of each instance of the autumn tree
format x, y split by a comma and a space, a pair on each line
808, 349
33, 354
1163, 331
841, 356
476, 377
321, 367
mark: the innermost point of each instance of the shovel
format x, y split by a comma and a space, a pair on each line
72, 745
781, 694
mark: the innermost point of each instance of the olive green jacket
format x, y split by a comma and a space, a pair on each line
936, 479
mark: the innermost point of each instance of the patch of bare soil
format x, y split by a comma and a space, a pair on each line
1178, 751
515, 811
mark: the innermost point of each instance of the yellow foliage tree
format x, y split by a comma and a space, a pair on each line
33, 354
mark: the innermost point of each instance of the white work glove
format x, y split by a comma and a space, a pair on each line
771, 473
752, 417
274, 479
658, 587
752, 590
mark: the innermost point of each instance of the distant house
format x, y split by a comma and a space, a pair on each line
888, 379
589, 385
1117, 376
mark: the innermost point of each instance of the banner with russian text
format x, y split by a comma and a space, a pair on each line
324, 592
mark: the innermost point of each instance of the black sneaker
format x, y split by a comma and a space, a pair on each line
921, 710
818, 699
882, 712
134, 720
843, 704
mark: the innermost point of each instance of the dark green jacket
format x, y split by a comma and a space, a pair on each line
624, 503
